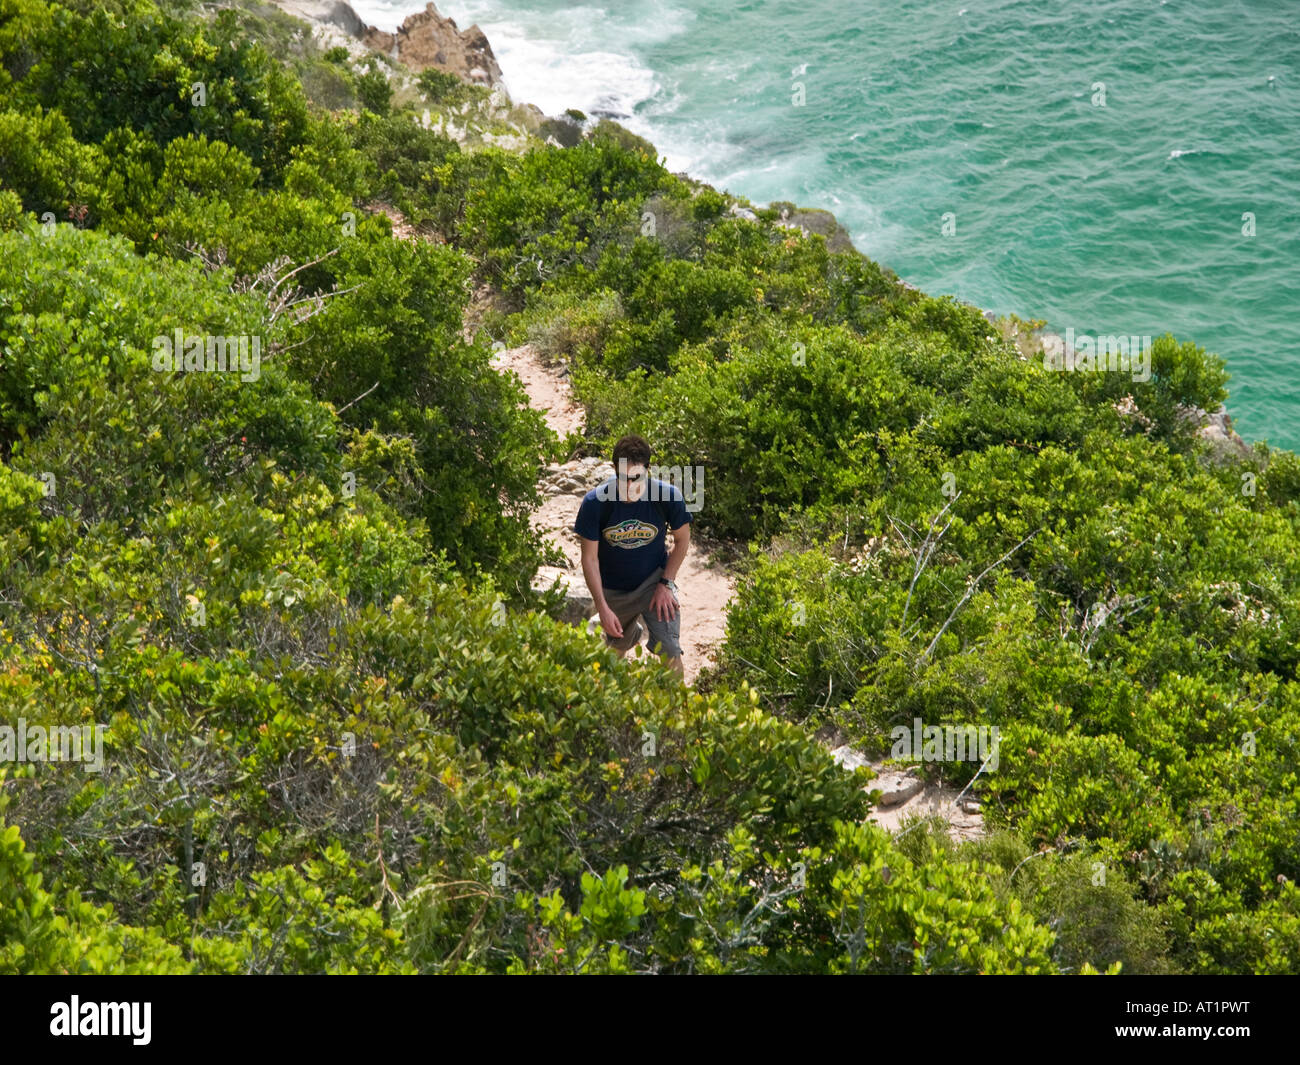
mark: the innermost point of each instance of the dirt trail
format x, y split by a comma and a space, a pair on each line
705, 591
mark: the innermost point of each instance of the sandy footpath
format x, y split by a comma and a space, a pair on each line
705, 589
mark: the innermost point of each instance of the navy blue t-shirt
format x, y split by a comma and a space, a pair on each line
633, 539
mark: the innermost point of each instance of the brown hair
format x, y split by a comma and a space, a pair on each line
633, 448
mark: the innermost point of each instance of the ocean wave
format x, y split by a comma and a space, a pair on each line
903, 126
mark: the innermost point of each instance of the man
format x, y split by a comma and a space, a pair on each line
624, 525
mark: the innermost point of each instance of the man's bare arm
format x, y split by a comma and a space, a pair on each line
681, 544
591, 571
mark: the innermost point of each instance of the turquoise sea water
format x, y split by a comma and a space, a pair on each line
1096, 158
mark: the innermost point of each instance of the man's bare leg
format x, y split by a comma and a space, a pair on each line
675, 664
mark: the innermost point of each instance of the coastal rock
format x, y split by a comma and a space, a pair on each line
848, 758
333, 23
426, 39
905, 796
896, 788
1128, 409
564, 130
327, 12
1215, 428
814, 220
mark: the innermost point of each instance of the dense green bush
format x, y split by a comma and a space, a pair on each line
548, 210
373, 89
126, 64
447, 90
44, 934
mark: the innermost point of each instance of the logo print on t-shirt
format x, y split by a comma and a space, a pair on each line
631, 533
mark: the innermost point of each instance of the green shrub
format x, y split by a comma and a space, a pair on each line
544, 212
45, 934
444, 89
373, 89
11, 210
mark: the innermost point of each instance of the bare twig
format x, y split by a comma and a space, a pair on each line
975, 777
931, 542
970, 590
383, 869
1036, 854
358, 399
299, 269
469, 931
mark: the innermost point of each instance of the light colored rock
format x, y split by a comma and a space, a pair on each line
578, 603
1215, 428
331, 12
575, 478
510, 142
850, 759
333, 24
905, 797
896, 788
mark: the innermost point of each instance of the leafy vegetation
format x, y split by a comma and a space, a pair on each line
343, 734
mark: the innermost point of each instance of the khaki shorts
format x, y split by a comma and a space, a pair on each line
665, 636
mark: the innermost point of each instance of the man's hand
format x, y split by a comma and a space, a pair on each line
609, 622
663, 603
591, 571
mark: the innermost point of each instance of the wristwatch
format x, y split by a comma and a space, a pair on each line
671, 586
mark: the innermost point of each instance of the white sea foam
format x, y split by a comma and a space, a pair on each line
583, 57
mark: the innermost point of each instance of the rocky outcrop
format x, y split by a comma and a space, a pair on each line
1215, 428
426, 39
577, 477
327, 12
564, 130
814, 220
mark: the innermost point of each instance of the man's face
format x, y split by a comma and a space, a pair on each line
633, 486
